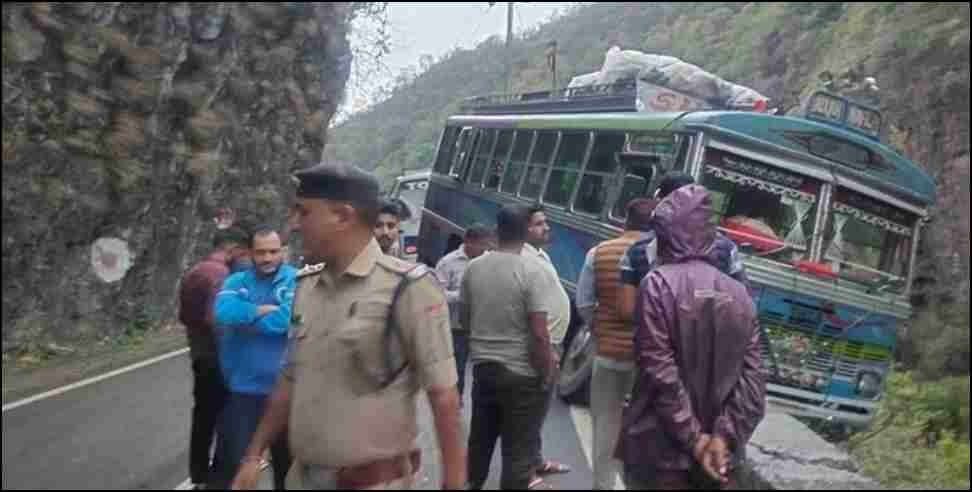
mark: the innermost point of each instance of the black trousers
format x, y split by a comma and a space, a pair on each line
460, 345
694, 479
210, 394
509, 406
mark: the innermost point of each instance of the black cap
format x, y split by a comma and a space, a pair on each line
338, 181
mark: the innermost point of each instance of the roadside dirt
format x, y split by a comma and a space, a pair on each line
28, 375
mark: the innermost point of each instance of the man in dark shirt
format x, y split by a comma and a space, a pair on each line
196, 296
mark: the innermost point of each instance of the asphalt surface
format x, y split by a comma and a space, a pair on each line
132, 432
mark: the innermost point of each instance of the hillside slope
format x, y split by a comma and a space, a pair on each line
919, 54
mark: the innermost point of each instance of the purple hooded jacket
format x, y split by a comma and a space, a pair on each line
697, 347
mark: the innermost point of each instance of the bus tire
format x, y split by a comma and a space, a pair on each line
576, 368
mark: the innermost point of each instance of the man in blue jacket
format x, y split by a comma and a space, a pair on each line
252, 314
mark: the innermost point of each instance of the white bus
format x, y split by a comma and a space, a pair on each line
410, 190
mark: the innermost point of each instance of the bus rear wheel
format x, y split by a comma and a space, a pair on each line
574, 383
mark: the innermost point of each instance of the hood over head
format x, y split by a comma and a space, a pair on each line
683, 223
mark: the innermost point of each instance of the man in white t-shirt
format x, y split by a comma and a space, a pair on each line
558, 318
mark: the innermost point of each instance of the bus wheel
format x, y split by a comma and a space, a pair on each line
574, 383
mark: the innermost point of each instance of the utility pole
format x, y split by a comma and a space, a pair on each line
552, 62
509, 47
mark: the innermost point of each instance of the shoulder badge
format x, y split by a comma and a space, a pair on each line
309, 270
395, 265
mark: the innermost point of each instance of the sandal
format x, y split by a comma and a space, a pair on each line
553, 468
538, 484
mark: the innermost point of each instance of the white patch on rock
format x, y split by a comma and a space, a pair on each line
110, 259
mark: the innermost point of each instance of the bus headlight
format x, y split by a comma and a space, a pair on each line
868, 385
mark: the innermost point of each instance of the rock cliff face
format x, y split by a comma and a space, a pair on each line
127, 127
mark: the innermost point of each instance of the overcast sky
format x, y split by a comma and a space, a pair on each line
435, 28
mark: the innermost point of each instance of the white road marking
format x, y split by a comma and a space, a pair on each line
90, 381
583, 423
187, 485
585, 431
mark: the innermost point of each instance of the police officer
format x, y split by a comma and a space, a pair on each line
368, 332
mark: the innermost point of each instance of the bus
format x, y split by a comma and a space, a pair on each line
827, 217
410, 191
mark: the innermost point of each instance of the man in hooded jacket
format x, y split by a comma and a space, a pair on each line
700, 388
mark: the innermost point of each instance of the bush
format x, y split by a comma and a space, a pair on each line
921, 435
937, 344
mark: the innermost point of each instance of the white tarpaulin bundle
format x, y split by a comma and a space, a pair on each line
666, 83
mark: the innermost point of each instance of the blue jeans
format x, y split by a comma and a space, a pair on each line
239, 422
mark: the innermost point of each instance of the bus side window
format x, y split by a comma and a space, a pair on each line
599, 173
640, 171
518, 157
536, 174
483, 153
681, 158
634, 186
566, 167
447, 148
467, 142
503, 143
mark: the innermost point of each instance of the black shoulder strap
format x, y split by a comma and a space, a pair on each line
392, 327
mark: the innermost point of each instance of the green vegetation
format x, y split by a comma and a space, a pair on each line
921, 435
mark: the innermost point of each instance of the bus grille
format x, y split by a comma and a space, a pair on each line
806, 359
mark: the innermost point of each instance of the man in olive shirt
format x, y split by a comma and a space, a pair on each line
505, 306
368, 332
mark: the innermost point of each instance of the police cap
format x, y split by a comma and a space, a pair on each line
338, 181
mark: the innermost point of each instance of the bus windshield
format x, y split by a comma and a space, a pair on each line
869, 242
767, 210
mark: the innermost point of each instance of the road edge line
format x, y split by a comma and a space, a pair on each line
93, 380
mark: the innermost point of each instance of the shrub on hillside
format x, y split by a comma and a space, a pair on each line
921, 434
937, 343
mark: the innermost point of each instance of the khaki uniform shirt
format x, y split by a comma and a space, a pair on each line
340, 415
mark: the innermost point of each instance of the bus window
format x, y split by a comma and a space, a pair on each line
461, 154
503, 143
482, 158
599, 173
521, 150
670, 150
446, 149
869, 242
563, 177
768, 210
640, 171
536, 171
634, 187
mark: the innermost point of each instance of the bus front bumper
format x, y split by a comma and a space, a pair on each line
857, 413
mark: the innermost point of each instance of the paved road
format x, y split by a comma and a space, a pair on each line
132, 432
